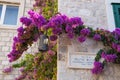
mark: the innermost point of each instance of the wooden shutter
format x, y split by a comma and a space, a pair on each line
116, 11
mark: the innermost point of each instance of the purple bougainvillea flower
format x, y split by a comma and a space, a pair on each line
22, 69
85, 32
21, 77
50, 52
26, 21
7, 70
97, 37
81, 38
118, 48
37, 19
20, 29
103, 55
114, 46
53, 37
69, 29
116, 33
110, 57
98, 68
76, 21
56, 31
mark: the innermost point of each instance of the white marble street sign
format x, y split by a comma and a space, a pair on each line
81, 60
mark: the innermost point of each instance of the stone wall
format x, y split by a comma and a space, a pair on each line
6, 39
64, 72
92, 12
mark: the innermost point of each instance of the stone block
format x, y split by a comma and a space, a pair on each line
5, 48
11, 35
1, 67
1, 77
5, 62
4, 34
5, 39
2, 57
9, 77
63, 49
64, 40
2, 43
61, 57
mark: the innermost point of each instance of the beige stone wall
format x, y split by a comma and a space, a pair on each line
92, 12
6, 39
111, 71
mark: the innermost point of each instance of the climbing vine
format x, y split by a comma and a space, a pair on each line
55, 26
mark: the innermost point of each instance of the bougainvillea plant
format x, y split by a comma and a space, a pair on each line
36, 25
47, 8
58, 24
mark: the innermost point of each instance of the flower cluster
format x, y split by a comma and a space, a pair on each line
98, 68
116, 47
83, 34
116, 33
7, 70
109, 57
97, 37
36, 25
27, 34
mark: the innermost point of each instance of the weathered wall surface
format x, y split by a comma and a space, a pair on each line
92, 12
111, 71
6, 39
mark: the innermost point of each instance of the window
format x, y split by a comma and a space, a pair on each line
0, 10
8, 14
116, 11
112, 24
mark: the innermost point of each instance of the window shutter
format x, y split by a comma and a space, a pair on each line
116, 11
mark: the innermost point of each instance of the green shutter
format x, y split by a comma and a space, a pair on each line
116, 11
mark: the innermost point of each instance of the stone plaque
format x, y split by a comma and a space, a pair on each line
81, 60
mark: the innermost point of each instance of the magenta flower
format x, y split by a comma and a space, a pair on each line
37, 19
114, 46
53, 37
116, 33
98, 68
7, 70
110, 57
57, 31
81, 38
97, 37
69, 29
50, 52
103, 55
118, 48
21, 77
76, 21
85, 32
22, 69
26, 21
20, 29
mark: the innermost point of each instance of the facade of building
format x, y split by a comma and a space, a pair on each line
95, 13
10, 12
103, 14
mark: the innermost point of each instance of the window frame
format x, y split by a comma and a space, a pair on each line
116, 7
110, 14
20, 4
